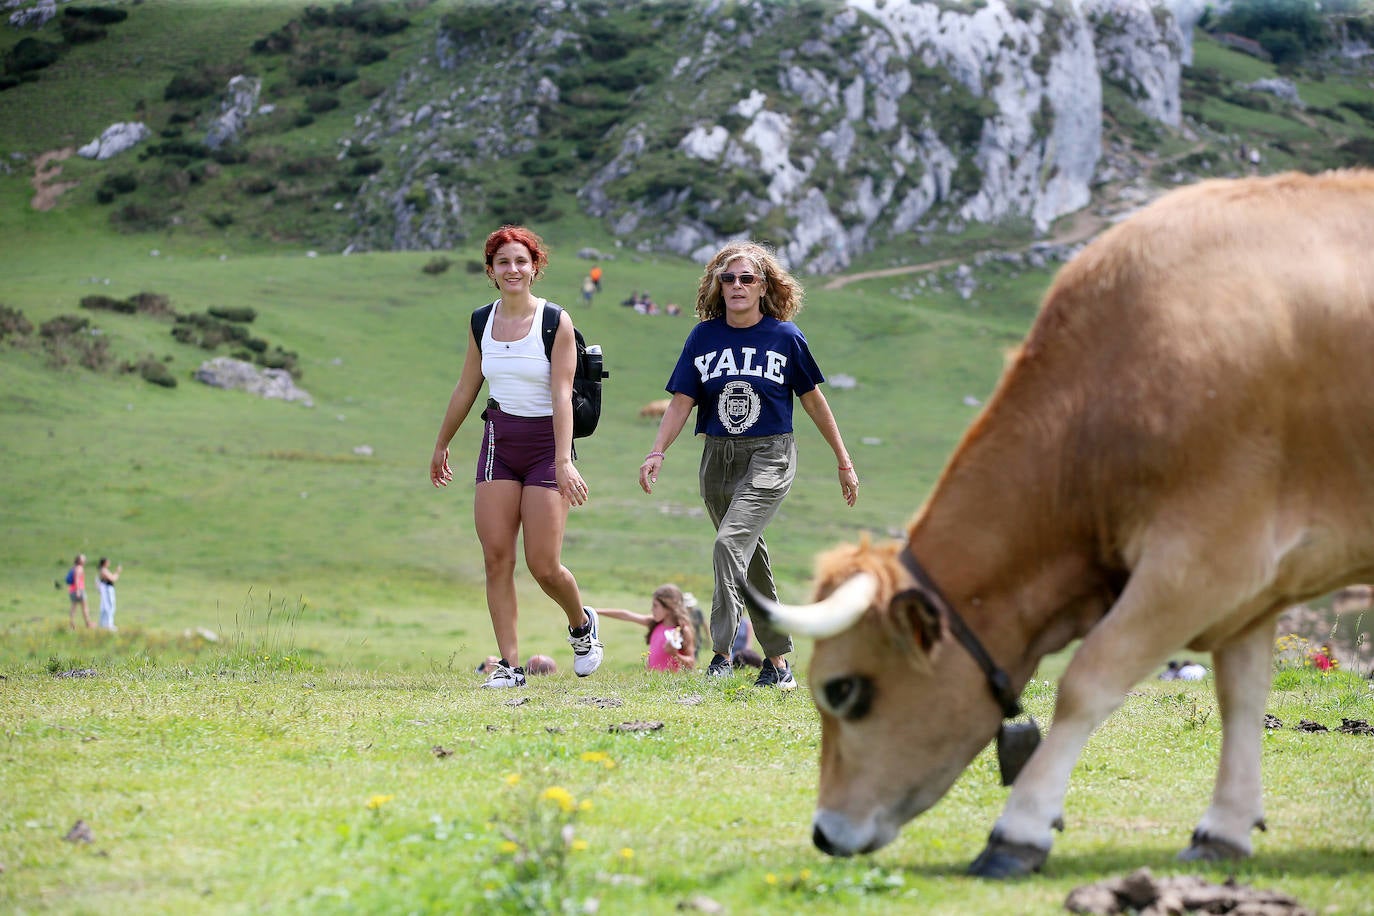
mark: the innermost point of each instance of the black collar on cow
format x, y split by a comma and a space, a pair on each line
1015, 741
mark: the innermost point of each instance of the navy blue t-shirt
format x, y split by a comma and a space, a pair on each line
743, 379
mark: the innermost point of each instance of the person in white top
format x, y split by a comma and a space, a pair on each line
525, 472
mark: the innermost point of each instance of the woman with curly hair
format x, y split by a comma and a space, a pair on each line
668, 629
741, 366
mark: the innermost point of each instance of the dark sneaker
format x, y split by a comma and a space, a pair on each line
772, 676
720, 667
586, 643
503, 675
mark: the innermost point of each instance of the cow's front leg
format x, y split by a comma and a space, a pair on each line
1020, 842
1244, 671
1124, 648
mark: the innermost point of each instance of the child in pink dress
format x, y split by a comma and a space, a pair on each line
671, 639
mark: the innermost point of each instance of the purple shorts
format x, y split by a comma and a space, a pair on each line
517, 448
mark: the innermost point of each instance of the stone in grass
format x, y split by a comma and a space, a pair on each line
637, 726
80, 833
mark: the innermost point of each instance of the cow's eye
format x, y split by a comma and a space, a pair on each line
849, 697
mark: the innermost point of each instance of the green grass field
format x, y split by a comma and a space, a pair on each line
288, 719
346, 595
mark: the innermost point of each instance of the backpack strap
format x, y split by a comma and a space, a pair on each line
480, 316
553, 312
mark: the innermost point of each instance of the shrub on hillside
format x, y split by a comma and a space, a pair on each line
155, 371
281, 359
121, 183
1363, 109
326, 76
155, 304
370, 54
258, 184
281, 41
190, 86
230, 155
138, 218
69, 338
100, 15
437, 265
30, 54
80, 32
13, 323
63, 326
99, 303
242, 314
320, 102
369, 166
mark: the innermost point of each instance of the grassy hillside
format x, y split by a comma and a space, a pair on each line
205, 494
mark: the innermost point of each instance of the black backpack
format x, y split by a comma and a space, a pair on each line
587, 374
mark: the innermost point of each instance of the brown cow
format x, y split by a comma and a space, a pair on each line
1182, 448
655, 409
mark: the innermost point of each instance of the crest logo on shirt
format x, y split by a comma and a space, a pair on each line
739, 407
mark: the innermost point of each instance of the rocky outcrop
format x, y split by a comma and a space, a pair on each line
889, 117
239, 104
31, 16
115, 139
235, 374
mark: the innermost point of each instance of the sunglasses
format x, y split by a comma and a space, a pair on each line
744, 279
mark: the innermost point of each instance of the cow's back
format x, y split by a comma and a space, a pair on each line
1226, 330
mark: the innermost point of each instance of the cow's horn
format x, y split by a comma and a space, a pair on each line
837, 613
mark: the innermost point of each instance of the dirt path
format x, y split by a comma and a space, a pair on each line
1083, 225
47, 168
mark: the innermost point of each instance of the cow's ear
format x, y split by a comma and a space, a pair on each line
919, 618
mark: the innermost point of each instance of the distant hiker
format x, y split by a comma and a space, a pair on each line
525, 477
106, 583
76, 591
588, 290
595, 276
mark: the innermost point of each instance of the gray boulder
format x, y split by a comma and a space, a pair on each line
116, 139
239, 103
235, 374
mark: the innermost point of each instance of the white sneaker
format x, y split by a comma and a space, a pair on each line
504, 675
587, 649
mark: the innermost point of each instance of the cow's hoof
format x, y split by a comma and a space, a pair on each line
1001, 859
1208, 848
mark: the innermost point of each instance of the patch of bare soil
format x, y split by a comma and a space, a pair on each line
1143, 893
47, 168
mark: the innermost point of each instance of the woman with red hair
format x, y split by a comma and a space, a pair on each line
525, 473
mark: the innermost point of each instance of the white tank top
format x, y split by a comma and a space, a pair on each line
517, 371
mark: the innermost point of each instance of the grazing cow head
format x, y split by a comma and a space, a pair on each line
903, 709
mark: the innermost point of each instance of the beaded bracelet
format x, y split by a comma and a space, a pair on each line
654, 455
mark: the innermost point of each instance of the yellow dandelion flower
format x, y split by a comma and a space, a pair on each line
509, 846
804, 874
579, 845
560, 796
770, 878
377, 801
584, 805
594, 756
608, 763
627, 853
511, 779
